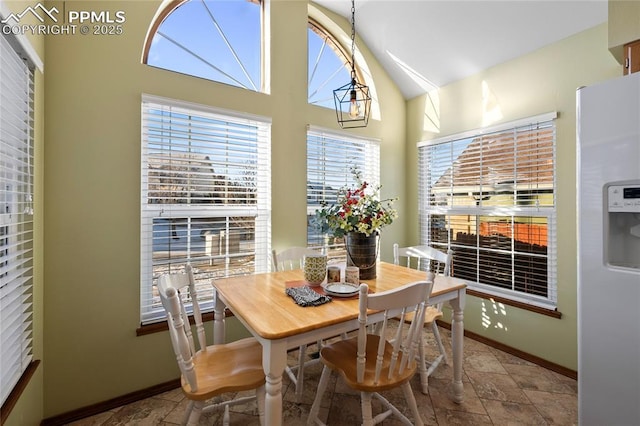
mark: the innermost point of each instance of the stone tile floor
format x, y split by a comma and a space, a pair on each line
500, 389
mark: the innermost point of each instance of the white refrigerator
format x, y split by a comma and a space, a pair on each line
608, 132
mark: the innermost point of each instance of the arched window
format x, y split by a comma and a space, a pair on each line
223, 41
329, 67
215, 40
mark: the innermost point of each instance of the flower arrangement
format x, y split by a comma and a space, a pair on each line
357, 209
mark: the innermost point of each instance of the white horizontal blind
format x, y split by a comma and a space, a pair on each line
490, 197
206, 196
16, 217
330, 159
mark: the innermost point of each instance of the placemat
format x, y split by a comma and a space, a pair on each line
305, 296
318, 289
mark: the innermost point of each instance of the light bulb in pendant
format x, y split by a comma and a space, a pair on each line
354, 106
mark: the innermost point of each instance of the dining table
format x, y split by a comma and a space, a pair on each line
261, 304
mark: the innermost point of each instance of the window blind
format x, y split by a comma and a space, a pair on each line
490, 196
206, 200
330, 159
16, 217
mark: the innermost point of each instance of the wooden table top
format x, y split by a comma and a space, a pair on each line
263, 304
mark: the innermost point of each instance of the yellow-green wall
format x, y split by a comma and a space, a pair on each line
543, 81
92, 188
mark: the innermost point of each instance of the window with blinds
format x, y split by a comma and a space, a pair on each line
16, 217
330, 158
206, 197
490, 197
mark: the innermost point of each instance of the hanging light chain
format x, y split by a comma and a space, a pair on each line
353, 40
352, 100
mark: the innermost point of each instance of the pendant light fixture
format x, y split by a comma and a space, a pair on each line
353, 101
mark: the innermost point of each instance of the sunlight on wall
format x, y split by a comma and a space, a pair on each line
432, 112
491, 111
432, 101
490, 312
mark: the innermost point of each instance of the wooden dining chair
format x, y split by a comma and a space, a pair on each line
431, 259
291, 258
288, 259
424, 257
208, 370
375, 363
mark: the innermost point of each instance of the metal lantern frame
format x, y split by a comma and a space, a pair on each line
353, 92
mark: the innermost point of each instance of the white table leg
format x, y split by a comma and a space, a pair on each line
274, 359
457, 339
218, 320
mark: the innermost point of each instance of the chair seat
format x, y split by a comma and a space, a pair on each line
341, 356
431, 314
232, 367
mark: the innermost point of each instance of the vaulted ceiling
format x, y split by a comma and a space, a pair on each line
429, 43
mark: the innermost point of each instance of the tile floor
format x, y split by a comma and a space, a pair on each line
500, 389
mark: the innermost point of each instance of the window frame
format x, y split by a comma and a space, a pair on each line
546, 212
201, 212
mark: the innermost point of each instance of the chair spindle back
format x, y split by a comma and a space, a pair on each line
175, 290
397, 303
